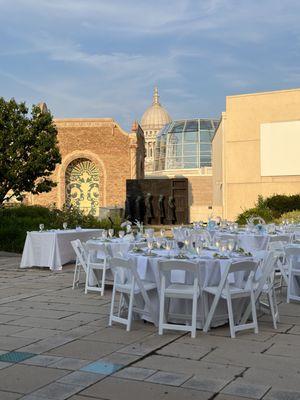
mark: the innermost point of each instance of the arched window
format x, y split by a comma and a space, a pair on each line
82, 186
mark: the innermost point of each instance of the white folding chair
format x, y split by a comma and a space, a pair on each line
81, 261
96, 264
293, 259
265, 285
169, 290
228, 291
128, 283
277, 245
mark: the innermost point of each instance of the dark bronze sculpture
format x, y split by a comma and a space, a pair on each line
128, 208
149, 208
172, 210
161, 208
138, 208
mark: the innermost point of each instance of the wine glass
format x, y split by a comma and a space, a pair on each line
65, 225
169, 246
150, 245
104, 234
230, 245
187, 243
111, 232
159, 242
217, 243
162, 232
41, 226
223, 247
121, 234
199, 247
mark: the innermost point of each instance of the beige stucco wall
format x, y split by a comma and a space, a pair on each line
217, 167
242, 180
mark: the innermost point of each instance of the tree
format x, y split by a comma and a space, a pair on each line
28, 150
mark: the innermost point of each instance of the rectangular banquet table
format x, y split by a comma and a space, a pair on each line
53, 249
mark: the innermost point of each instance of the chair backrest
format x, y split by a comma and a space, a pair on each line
268, 266
284, 239
293, 256
122, 269
80, 252
276, 245
96, 251
191, 269
247, 269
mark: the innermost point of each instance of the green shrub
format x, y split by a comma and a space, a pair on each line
295, 215
264, 213
280, 204
16, 221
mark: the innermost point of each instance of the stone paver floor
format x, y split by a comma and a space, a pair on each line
55, 344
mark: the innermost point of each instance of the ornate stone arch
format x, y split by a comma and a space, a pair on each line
71, 157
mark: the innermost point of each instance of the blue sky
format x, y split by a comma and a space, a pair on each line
98, 58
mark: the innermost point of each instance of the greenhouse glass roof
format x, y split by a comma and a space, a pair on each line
185, 144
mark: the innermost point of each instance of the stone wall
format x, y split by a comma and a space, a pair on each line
117, 155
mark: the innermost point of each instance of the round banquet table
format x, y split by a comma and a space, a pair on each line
210, 271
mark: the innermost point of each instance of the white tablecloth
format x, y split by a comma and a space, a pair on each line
53, 249
210, 270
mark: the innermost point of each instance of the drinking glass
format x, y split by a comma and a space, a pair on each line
159, 242
223, 247
199, 247
231, 245
187, 243
121, 234
65, 225
111, 232
104, 234
217, 243
41, 226
162, 232
150, 245
169, 247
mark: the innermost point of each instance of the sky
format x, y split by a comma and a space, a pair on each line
99, 58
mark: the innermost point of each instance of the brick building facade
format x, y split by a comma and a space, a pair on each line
97, 158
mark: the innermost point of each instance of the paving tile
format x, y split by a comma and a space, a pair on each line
168, 378
69, 363
119, 358
101, 367
9, 395
81, 378
15, 356
282, 395
241, 388
56, 391
38, 333
27, 378
185, 351
134, 373
42, 360
113, 388
201, 368
85, 349
201, 383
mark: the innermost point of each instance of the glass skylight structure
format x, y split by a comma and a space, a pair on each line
185, 144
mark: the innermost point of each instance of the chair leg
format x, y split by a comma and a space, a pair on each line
288, 291
161, 312
254, 316
275, 305
103, 281
112, 304
120, 304
230, 315
75, 276
130, 306
271, 304
194, 315
211, 313
87, 277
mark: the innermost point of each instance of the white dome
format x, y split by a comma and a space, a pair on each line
156, 116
